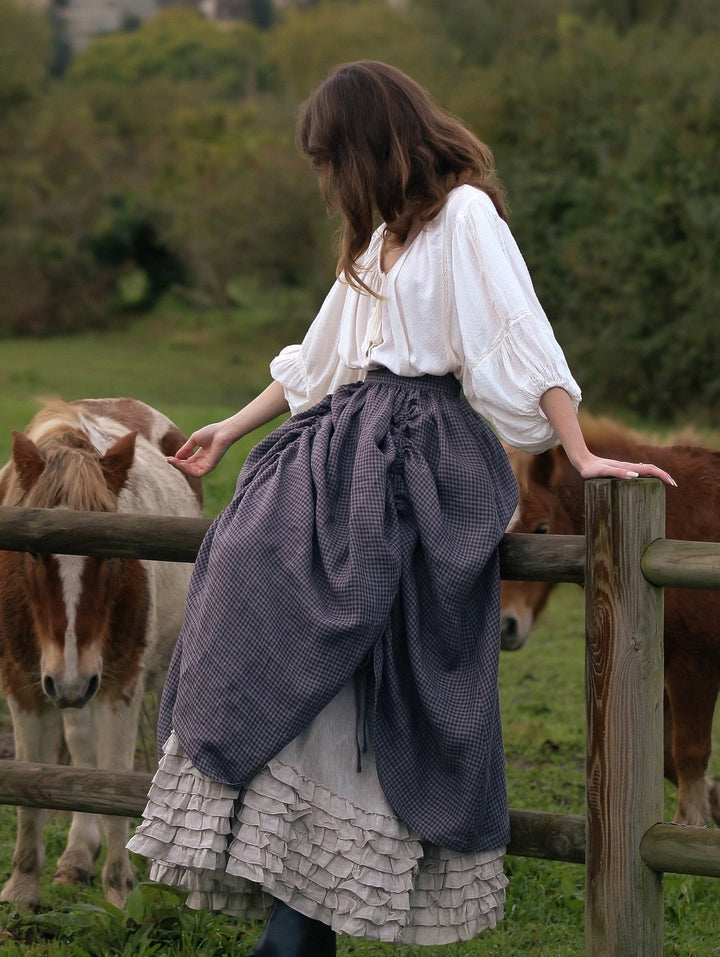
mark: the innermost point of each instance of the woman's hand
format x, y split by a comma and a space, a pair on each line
595, 467
560, 412
202, 451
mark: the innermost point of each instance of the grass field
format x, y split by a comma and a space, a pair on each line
198, 368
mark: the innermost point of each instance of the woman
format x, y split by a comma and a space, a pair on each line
330, 723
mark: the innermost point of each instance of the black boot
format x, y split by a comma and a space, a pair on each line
290, 934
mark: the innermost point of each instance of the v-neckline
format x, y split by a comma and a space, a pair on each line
404, 250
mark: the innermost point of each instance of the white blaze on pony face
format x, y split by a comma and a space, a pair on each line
521, 602
71, 657
514, 519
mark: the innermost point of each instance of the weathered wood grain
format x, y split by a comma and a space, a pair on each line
682, 564
544, 558
69, 532
680, 849
522, 557
559, 837
624, 697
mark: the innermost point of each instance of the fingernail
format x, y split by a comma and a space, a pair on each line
633, 474
673, 483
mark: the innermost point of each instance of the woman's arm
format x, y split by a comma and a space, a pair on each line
559, 410
204, 449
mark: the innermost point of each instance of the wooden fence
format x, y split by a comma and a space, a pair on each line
624, 563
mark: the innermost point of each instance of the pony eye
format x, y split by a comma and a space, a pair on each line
542, 529
318, 159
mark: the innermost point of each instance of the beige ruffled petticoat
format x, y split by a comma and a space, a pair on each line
314, 832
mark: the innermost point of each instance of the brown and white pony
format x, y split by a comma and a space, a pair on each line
552, 501
79, 636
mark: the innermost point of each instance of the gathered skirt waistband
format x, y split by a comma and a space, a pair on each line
445, 384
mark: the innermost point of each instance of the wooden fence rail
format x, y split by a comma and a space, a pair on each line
559, 837
65, 532
623, 562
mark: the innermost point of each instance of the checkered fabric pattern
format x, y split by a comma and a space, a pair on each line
363, 532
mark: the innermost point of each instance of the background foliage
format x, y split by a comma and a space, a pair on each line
162, 160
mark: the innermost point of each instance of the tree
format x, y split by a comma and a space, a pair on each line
25, 54
180, 45
307, 43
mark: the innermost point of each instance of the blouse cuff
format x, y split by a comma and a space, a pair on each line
289, 368
528, 429
510, 372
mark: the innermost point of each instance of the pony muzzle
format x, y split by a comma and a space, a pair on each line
70, 693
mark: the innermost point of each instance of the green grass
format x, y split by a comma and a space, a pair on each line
197, 368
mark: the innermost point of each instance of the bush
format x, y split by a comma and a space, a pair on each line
25, 56
307, 43
606, 144
181, 46
130, 181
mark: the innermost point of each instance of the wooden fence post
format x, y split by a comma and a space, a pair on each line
624, 693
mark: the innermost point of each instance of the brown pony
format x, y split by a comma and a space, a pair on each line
79, 637
552, 501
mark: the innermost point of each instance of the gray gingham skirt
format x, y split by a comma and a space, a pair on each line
330, 724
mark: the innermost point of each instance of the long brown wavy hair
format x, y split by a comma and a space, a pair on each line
382, 145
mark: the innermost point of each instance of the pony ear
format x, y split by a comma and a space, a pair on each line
117, 461
28, 462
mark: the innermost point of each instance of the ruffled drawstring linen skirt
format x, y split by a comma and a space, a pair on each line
330, 726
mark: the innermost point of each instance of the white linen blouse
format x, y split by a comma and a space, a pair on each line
458, 299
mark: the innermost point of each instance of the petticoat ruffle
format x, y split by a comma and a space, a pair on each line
284, 836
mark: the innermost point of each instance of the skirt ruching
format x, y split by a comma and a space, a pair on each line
362, 539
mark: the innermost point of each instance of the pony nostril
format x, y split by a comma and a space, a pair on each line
68, 693
509, 633
49, 688
90, 690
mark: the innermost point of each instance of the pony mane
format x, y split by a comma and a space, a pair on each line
602, 432
72, 477
53, 416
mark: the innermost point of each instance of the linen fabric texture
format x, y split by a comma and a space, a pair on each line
363, 534
313, 831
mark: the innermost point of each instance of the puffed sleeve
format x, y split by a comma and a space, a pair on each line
510, 354
312, 369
